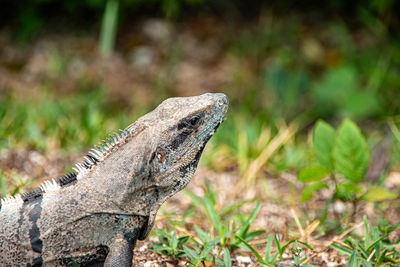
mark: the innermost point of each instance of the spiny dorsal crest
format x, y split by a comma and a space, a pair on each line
93, 157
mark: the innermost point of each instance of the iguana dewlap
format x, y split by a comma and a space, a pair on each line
94, 215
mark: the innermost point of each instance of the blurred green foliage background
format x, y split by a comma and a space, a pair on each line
278, 61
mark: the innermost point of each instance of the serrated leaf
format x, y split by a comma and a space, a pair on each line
351, 153
313, 174
323, 143
310, 189
378, 194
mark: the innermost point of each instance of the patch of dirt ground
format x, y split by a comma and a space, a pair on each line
280, 211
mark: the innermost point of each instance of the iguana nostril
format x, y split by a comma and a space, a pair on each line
222, 101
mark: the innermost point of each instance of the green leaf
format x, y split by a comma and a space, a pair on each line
212, 214
174, 240
306, 244
323, 143
367, 236
242, 230
351, 153
203, 236
286, 245
341, 249
253, 234
354, 259
347, 191
208, 247
191, 254
278, 245
196, 201
365, 263
268, 257
313, 174
376, 244
363, 252
258, 256
182, 240
227, 258
310, 189
378, 194
232, 207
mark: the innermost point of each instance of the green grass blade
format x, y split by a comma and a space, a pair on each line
196, 201
268, 249
363, 251
306, 244
286, 245
372, 246
191, 254
393, 227
253, 234
212, 214
365, 263
278, 247
242, 230
233, 207
174, 240
227, 258
354, 259
367, 237
344, 250
202, 235
109, 27
258, 256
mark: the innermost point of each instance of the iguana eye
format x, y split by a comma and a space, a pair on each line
193, 121
161, 155
190, 122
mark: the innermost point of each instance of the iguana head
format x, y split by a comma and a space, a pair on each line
177, 132
184, 126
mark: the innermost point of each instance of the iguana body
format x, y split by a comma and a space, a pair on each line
94, 215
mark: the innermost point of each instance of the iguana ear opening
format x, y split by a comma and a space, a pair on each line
146, 229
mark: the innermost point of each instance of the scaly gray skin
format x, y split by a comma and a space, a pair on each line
95, 215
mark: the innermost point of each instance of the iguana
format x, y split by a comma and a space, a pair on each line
94, 215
